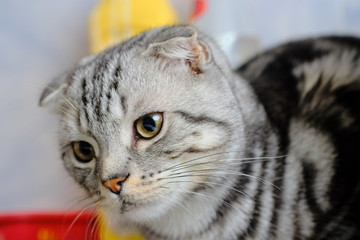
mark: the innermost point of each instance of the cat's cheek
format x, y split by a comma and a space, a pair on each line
211, 138
81, 165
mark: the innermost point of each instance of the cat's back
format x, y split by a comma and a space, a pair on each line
311, 93
301, 77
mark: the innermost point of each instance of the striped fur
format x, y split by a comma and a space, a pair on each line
268, 151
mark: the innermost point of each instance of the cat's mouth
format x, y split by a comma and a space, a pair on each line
137, 207
127, 205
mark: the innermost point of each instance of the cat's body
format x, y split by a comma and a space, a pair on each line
267, 152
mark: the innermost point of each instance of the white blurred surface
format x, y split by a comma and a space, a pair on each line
237, 23
38, 40
41, 38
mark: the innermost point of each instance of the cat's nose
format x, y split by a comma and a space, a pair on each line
115, 184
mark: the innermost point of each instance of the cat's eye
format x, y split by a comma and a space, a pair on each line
83, 151
149, 125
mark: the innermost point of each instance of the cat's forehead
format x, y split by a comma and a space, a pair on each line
123, 70
126, 82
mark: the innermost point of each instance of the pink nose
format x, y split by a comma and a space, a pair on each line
114, 184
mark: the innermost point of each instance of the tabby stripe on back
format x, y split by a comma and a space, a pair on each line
309, 177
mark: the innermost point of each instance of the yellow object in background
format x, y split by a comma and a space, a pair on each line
114, 21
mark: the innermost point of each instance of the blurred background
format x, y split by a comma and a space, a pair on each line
39, 39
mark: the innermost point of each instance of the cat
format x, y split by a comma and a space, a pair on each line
164, 135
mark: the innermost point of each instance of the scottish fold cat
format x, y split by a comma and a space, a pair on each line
164, 135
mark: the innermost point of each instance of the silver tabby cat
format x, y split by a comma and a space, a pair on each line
163, 134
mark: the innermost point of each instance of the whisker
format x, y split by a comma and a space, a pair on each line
199, 158
95, 225
100, 229
92, 220
216, 169
78, 200
218, 184
221, 171
196, 170
178, 203
235, 159
75, 205
262, 180
253, 161
78, 216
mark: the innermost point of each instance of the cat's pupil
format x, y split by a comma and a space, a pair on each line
85, 148
149, 124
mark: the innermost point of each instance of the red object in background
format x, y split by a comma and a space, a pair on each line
200, 7
57, 226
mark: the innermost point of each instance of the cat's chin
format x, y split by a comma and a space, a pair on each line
139, 213
141, 209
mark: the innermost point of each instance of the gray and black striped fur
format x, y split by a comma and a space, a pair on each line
270, 151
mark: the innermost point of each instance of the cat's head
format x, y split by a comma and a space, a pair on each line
148, 122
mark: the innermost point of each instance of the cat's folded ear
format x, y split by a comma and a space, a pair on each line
53, 95
187, 50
